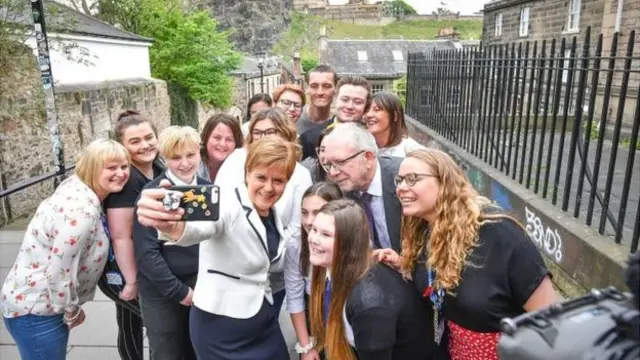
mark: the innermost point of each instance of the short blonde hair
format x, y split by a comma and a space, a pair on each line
91, 162
176, 138
285, 128
273, 152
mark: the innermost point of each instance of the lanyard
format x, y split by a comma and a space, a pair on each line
437, 298
105, 225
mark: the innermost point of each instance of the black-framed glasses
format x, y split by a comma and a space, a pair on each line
260, 133
288, 103
338, 164
410, 179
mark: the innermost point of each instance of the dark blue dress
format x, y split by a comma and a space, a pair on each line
218, 337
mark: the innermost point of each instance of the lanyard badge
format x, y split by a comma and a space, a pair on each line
436, 296
113, 277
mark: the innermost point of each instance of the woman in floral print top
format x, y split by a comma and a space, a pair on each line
63, 253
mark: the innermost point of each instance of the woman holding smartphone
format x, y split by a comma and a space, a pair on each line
234, 316
167, 274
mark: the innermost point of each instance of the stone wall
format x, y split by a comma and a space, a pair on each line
357, 14
255, 25
85, 112
547, 20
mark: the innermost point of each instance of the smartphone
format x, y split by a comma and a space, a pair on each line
200, 202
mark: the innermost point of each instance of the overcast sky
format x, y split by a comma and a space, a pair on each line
428, 6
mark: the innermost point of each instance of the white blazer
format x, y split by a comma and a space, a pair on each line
233, 273
231, 173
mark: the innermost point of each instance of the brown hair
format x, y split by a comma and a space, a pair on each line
286, 130
355, 81
272, 151
391, 103
324, 69
211, 125
327, 191
289, 87
130, 118
351, 260
454, 233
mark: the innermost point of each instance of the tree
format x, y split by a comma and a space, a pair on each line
188, 50
398, 9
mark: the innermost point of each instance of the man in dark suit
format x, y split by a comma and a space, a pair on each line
351, 161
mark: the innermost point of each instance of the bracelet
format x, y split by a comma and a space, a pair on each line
305, 349
73, 319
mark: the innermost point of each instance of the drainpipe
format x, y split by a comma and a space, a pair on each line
616, 28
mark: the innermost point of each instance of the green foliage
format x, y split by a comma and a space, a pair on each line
398, 8
184, 111
188, 50
303, 34
400, 88
308, 64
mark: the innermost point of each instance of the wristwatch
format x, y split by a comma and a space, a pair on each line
305, 349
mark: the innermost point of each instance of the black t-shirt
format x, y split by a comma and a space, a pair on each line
501, 274
309, 139
131, 190
388, 320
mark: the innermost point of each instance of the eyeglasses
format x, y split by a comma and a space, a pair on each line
410, 179
260, 133
338, 164
288, 103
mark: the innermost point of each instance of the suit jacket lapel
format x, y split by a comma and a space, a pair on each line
392, 209
252, 217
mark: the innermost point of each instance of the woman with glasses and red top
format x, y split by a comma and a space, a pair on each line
471, 262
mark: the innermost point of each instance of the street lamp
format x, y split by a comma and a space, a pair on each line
261, 56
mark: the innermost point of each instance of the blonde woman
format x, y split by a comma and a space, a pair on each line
471, 261
167, 274
63, 253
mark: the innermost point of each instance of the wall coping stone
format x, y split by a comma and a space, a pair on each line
103, 85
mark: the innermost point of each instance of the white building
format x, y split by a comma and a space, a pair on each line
106, 53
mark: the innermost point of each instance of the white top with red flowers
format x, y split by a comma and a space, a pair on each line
62, 256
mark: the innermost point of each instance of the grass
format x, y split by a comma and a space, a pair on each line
305, 29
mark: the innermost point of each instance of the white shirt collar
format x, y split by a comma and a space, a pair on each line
176, 180
375, 188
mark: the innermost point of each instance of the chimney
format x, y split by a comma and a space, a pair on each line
297, 67
324, 45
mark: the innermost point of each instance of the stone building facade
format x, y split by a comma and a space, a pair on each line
85, 112
519, 21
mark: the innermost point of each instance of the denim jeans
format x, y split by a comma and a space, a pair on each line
39, 337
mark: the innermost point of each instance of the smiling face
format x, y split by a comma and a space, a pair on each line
184, 163
378, 123
265, 185
351, 103
141, 142
113, 177
310, 207
418, 200
291, 103
264, 127
220, 143
348, 168
321, 240
321, 89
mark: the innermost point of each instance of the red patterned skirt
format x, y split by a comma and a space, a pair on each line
465, 344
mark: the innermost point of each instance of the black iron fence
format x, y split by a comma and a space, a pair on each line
558, 116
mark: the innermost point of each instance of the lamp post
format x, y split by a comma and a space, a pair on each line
261, 56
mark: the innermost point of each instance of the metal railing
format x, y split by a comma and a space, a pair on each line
515, 106
32, 181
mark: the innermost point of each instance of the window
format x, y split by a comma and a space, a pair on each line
397, 55
498, 20
573, 22
524, 21
565, 66
376, 88
362, 56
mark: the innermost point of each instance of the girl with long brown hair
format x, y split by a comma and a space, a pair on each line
359, 308
297, 269
474, 263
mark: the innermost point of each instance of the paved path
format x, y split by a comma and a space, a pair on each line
96, 338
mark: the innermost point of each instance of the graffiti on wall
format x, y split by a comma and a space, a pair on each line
546, 239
